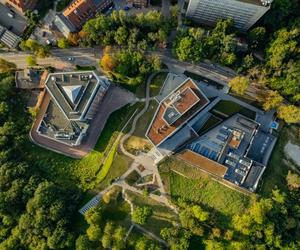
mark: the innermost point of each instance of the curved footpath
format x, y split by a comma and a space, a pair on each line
139, 115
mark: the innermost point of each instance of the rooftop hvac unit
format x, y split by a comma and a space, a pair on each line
53, 78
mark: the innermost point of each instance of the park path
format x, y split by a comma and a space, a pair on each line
145, 159
140, 114
141, 159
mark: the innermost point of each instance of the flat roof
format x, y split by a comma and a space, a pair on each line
202, 162
58, 85
15, 24
174, 110
255, 2
253, 176
260, 147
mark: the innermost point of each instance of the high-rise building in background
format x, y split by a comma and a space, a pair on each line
22, 5
245, 13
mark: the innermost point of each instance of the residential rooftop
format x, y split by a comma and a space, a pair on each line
176, 109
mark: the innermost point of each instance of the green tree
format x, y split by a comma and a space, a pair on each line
272, 100
248, 62
140, 215
156, 63
293, 180
256, 36
177, 238
239, 84
144, 243
83, 243
283, 47
42, 52
93, 232
121, 35
63, 43
6, 66
228, 58
200, 214
289, 113
214, 245
29, 44
31, 61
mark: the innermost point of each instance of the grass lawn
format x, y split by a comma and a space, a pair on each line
278, 166
132, 178
119, 166
117, 210
220, 200
138, 141
140, 90
157, 83
230, 108
136, 234
162, 216
143, 123
84, 172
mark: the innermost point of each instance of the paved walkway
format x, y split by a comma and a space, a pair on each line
139, 115
143, 159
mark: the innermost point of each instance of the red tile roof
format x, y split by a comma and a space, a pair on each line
191, 101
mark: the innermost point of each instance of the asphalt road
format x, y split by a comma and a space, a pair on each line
59, 58
90, 56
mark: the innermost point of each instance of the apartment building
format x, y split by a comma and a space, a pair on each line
22, 5
245, 13
78, 13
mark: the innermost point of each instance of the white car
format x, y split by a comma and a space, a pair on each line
70, 58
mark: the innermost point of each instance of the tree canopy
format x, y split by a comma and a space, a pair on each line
239, 84
140, 31
35, 213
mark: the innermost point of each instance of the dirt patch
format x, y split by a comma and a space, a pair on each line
292, 151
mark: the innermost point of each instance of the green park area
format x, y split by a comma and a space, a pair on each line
161, 217
183, 181
279, 165
157, 82
89, 171
138, 142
